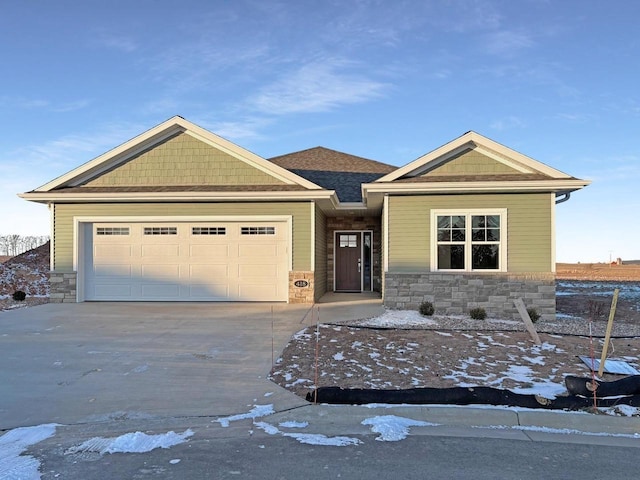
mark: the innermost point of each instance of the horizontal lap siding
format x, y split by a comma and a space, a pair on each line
64, 213
529, 228
320, 276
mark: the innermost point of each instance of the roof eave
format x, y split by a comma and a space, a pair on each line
477, 187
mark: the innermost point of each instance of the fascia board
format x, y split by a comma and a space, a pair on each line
464, 187
48, 197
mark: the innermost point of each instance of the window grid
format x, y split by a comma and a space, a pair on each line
468, 242
258, 230
208, 231
160, 230
112, 231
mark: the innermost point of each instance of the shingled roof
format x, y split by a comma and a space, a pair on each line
334, 170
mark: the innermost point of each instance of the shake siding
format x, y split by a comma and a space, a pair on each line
183, 160
320, 276
529, 228
472, 162
300, 211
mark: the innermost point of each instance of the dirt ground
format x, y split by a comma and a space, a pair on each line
440, 356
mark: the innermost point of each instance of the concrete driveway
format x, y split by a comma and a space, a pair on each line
93, 362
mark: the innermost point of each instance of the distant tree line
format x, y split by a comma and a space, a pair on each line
12, 245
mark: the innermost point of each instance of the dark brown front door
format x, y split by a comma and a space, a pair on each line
348, 262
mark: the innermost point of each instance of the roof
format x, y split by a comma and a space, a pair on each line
334, 170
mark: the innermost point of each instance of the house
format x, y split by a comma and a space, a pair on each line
181, 214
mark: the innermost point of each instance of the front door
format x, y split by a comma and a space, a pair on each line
348, 262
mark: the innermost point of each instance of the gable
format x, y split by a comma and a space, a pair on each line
473, 162
182, 160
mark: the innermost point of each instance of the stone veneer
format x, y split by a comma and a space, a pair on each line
301, 294
456, 294
62, 287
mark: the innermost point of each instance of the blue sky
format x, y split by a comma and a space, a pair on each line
387, 80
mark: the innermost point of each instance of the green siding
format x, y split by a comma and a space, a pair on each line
64, 213
183, 160
320, 275
529, 227
471, 162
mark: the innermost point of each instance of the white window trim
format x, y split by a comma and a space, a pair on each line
468, 213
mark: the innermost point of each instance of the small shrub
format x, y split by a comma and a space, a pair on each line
478, 313
426, 309
533, 314
19, 296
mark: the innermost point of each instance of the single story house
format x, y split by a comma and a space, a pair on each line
181, 214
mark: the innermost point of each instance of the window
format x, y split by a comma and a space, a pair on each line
350, 241
474, 240
160, 230
112, 231
258, 230
208, 231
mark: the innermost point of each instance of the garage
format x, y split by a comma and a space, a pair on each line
181, 261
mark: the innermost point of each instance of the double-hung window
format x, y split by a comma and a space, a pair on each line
471, 240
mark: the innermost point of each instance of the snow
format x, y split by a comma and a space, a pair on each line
308, 438
14, 465
256, 412
397, 319
393, 428
136, 442
294, 424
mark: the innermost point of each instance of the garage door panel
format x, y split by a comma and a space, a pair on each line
207, 273
188, 261
117, 271
209, 291
166, 291
117, 253
161, 250
106, 291
160, 271
209, 252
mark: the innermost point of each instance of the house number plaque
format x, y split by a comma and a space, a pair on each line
301, 283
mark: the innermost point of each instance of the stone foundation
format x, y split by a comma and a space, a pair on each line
62, 287
301, 294
456, 294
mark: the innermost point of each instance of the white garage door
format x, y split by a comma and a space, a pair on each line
220, 261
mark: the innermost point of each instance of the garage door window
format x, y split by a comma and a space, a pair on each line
112, 231
258, 230
160, 230
208, 231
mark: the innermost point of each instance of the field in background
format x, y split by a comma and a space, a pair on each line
598, 272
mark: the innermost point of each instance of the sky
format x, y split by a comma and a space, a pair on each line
386, 80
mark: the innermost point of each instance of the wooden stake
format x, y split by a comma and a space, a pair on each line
607, 337
522, 310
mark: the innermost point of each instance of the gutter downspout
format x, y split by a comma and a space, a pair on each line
567, 196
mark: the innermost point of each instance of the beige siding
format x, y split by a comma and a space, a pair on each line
472, 162
63, 223
529, 228
183, 160
320, 275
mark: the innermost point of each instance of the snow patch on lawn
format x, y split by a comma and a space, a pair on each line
136, 442
397, 319
14, 465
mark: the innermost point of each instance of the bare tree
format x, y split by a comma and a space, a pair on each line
14, 244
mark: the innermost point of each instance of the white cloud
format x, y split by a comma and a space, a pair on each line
316, 87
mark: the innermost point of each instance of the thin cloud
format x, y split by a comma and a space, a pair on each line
316, 87
507, 42
117, 42
507, 123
